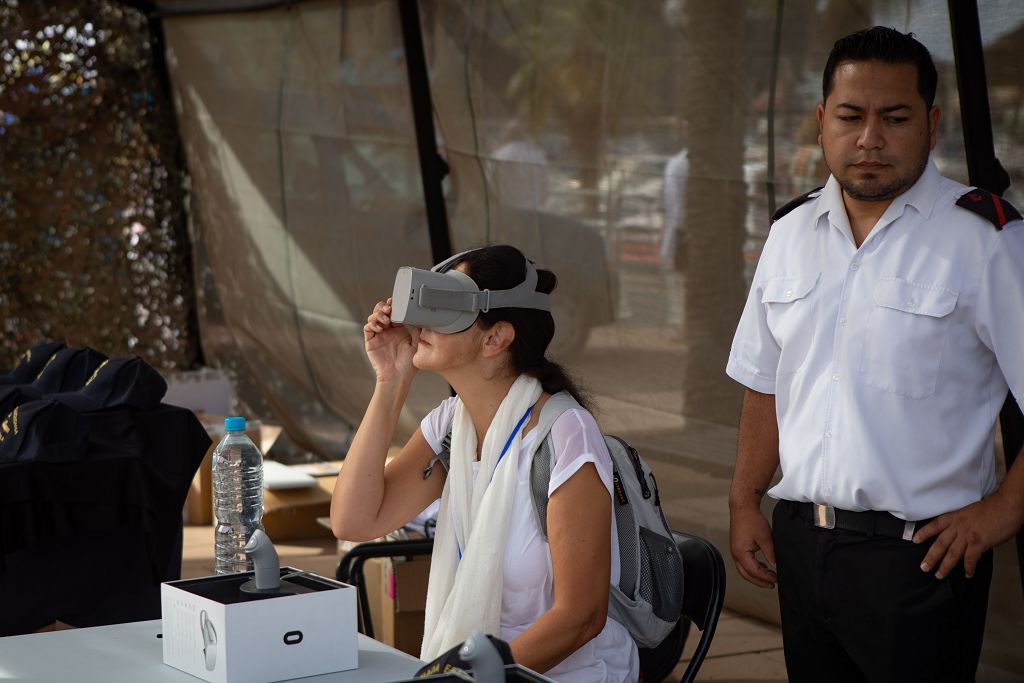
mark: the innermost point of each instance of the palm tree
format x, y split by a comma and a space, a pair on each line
716, 203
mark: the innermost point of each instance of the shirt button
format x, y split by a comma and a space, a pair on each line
789, 293
835, 378
855, 266
828, 433
911, 303
842, 321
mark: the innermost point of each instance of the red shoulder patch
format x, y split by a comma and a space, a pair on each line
991, 207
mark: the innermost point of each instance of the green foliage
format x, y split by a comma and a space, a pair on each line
585, 62
93, 232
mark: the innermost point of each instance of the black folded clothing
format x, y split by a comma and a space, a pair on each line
118, 383
32, 363
44, 431
14, 395
451, 661
68, 370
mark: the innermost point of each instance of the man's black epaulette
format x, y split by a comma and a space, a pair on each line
991, 207
789, 206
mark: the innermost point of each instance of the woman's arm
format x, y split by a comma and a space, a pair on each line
369, 500
579, 536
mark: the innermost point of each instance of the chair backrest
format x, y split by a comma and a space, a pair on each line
350, 569
703, 592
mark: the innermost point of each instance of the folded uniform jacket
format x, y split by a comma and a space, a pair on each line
44, 431
31, 364
68, 370
134, 472
117, 383
14, 395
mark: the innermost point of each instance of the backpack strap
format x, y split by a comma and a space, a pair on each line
444, 457
543, 455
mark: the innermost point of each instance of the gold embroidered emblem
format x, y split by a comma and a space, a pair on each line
96, 372
46, 366
9, 425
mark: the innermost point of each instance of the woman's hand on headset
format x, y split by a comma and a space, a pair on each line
389, 347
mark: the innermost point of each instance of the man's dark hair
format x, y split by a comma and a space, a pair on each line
884, 45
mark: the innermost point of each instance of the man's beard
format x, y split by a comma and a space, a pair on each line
870, 190
873, 190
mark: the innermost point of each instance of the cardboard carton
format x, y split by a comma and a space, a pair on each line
292, 513
397, 589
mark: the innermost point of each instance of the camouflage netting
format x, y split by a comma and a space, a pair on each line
94, 247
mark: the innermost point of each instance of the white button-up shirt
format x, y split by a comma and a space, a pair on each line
889, 363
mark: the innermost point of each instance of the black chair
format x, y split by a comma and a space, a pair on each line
703, 593
656, 663
703, 597
350, 569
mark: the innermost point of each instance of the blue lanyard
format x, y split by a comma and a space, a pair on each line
504, 450
515, 430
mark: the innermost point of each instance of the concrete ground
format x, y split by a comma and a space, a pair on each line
743, 649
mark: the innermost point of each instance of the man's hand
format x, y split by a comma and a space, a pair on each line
749, 532
967, 533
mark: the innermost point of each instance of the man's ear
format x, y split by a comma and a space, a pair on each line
498, 338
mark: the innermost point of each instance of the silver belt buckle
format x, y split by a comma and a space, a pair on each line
824, 516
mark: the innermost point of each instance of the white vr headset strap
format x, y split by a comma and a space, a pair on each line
523, 295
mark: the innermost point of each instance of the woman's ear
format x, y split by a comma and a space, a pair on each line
498, 338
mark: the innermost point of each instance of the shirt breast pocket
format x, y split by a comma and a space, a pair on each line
906, 335
790, 315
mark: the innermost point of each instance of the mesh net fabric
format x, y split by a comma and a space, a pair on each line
625, 525
540, 474
661, 575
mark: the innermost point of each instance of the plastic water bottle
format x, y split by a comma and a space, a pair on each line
238, 496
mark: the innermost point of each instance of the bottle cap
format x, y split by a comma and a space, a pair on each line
234, 424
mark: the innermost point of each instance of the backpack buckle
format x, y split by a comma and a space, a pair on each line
429, 469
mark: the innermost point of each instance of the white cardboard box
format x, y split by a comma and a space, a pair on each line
213, 633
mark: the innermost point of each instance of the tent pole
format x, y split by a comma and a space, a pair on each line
984, 171
433, 168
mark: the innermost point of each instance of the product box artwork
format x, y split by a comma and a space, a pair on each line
216, 632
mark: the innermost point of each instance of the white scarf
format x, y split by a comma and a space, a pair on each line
465, 594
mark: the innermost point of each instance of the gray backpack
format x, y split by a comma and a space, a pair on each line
649, 595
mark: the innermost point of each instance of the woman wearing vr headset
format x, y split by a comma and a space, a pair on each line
491, 568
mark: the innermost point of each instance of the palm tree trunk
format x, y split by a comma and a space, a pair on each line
716, 206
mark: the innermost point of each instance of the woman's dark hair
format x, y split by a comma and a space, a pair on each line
501, 266
884, 45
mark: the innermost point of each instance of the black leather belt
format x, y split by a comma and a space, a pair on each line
868, 522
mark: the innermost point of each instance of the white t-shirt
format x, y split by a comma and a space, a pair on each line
889, 362
527, 592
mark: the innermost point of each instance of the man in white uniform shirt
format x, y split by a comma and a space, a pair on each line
884, 325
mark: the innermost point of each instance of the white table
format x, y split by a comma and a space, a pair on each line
132, 652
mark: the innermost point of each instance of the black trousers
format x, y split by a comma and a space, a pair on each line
859, 608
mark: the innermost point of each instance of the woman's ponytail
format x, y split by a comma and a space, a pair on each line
503, 267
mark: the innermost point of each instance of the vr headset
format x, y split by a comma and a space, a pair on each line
448, 301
